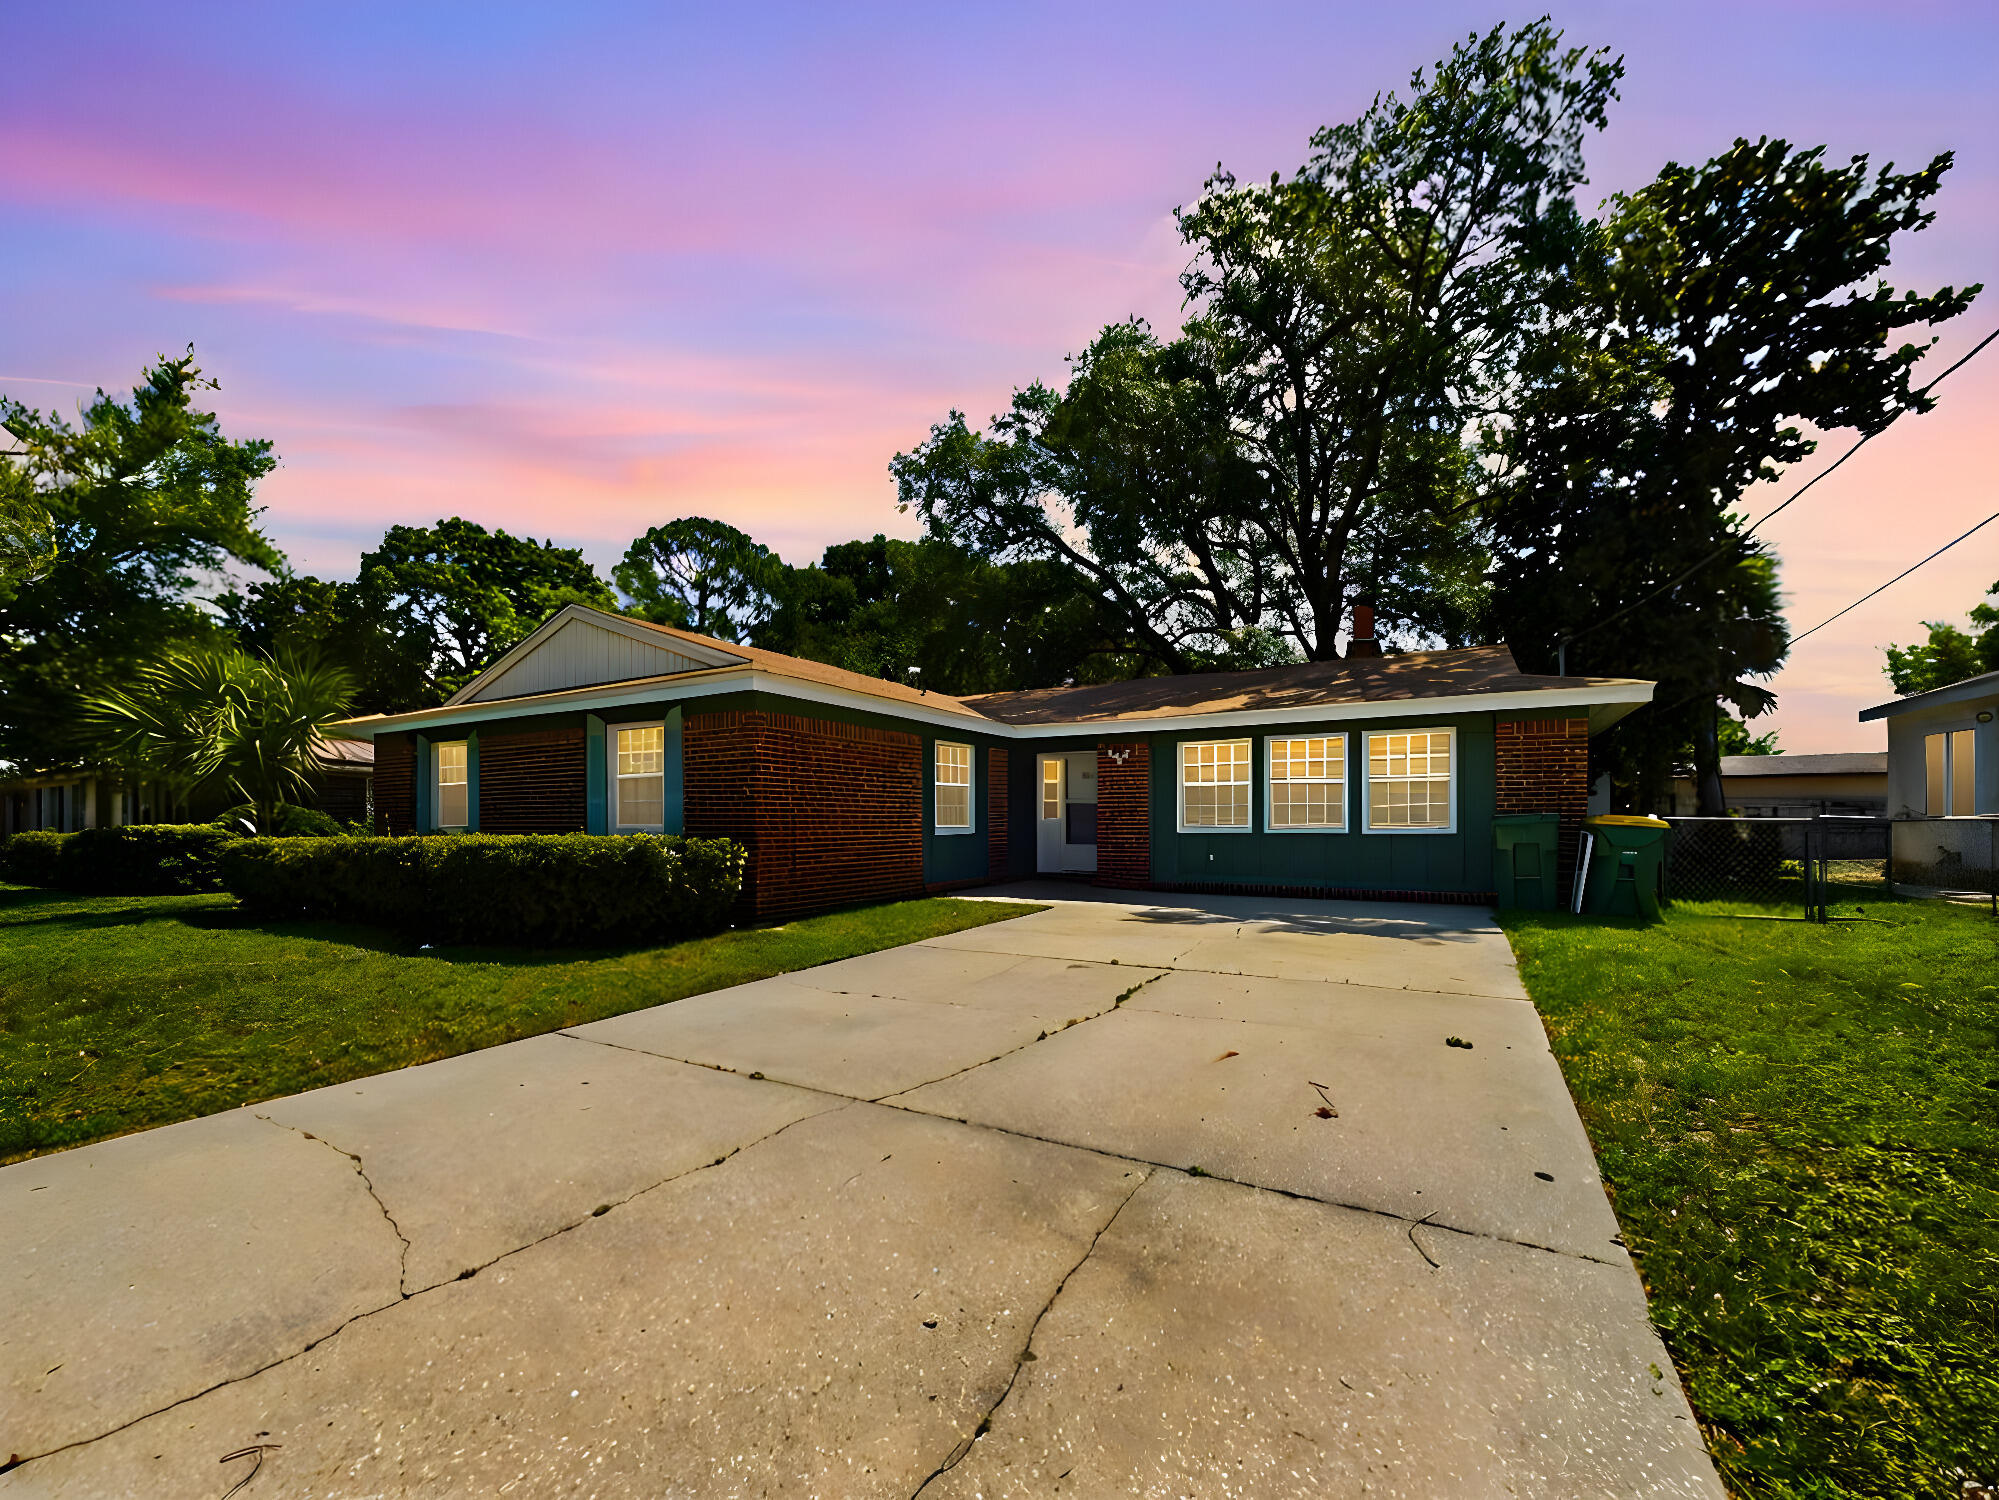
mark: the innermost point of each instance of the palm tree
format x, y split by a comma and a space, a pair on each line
210, 711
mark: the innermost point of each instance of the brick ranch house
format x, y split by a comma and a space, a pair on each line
1376, 776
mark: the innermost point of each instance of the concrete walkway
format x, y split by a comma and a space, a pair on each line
1116, 1199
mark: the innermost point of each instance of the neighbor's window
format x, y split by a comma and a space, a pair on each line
1214, 785
453, 785
1308, 784
640, 777
954, 788
1949, 763
1409, 780
1051, 787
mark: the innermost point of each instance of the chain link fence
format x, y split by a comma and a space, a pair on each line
1826, 867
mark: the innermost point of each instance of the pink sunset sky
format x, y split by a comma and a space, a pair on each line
576, 270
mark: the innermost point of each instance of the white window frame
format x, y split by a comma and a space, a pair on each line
1339, 757
1948, 768
937, 784
1367, 782
1180, 749
437, 749
611, 777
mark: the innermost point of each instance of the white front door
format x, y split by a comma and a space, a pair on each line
1065, 825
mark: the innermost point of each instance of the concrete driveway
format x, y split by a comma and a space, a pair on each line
1176, 1199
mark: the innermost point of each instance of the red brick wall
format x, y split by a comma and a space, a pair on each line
1124, 815
531, 783
395, 784
1543, 766
996, 829
832, 814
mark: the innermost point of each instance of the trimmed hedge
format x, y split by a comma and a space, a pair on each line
140, 859
519, 890
294, 822
30, 858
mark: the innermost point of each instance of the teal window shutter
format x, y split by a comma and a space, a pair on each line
675, 820
596, 817
472, 783
426, 773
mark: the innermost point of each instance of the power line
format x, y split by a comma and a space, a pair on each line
1898, 577
1867, 437
1562, 642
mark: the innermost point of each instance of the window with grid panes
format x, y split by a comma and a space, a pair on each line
1409, 779
1214, 785
1308, 783
640, 777
954, 788
453, 785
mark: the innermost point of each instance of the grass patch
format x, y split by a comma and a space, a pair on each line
1799, 1126
120, 1013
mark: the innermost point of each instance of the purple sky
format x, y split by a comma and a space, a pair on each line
575, 270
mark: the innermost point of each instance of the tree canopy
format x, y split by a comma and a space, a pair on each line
120, 515
1300, 444
454, 596
701, 575
1951, 653
1689, 334
931, 612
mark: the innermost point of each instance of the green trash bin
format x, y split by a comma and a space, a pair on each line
1524, 860
1626, 867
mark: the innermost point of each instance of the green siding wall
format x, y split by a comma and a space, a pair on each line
954, 856
1458, 861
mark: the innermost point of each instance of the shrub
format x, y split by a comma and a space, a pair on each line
30, 858
533, 890
143, 859
294, 822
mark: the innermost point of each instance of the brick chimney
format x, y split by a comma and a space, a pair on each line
1363, 642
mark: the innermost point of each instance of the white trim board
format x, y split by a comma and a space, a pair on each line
680, 686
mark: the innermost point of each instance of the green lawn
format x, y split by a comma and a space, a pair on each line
1800, 1129
122, 1013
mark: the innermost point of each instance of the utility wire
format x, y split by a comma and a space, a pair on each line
1898, 577
1730, 545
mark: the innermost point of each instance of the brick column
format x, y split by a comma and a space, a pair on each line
1542, 766
395, 784
1124, 816
996, 829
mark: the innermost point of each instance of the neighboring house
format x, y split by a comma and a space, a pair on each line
1854, 783
1943, 776
105, 798
1375, 776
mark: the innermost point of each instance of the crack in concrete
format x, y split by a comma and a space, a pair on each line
1176, 968
964, 1448
1096, 1015
887, 1101
407, 1297
361, 1171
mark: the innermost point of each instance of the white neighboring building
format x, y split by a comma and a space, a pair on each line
1853, 783
1943, 778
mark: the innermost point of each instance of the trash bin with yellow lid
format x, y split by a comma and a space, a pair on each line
1627, 862
1524, 859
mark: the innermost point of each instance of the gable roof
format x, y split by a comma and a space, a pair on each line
1304, 685
801, 669
1983, 685
584, 657
582, 647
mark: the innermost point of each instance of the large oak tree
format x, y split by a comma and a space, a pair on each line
1300, 444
